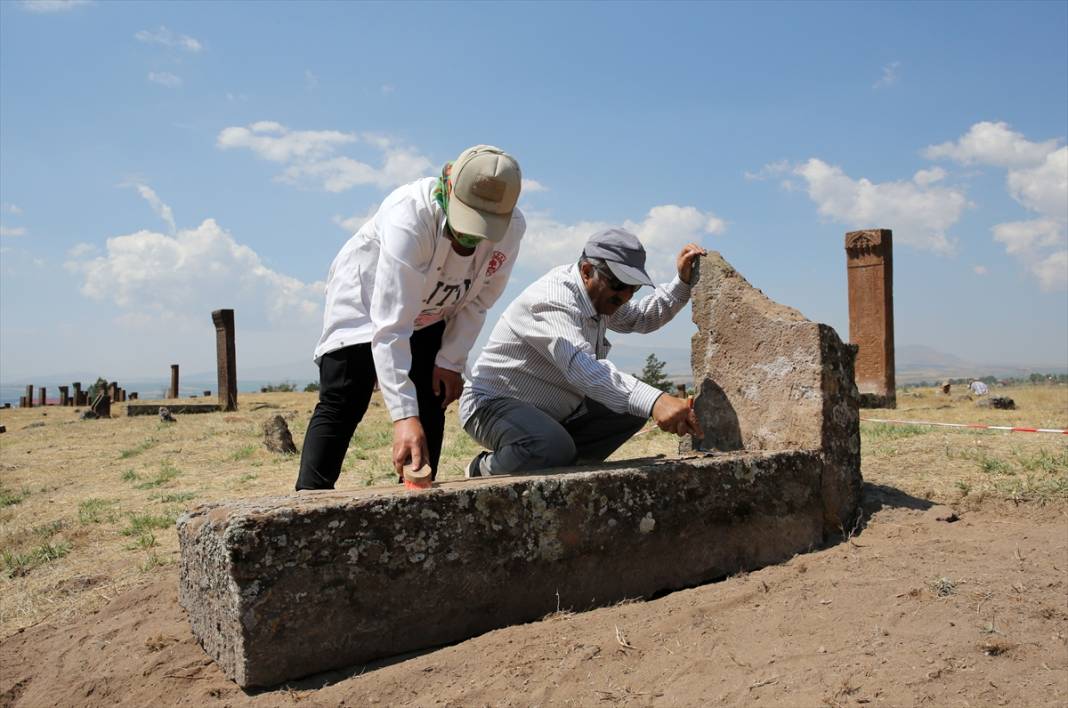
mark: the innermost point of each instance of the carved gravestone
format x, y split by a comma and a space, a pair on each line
870, 267
173, 392
101, 405
766, 378
226, 358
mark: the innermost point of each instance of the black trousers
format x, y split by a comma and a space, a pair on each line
346, 381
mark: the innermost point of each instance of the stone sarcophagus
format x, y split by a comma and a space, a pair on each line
282, 587
278, 588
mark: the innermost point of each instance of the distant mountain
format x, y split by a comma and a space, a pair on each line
915, 363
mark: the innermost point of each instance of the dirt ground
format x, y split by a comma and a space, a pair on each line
908, 611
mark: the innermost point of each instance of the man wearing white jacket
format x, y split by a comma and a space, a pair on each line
405, 299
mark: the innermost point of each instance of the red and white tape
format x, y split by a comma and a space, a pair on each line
977, 426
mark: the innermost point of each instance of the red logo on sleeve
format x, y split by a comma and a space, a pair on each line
495, 262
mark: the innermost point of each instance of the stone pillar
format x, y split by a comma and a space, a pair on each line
133, 396
207, 394
173, 392
77, 386
870, 266
680, 390
64, 396
42, 397
226, 358
113, 391
29, 395
22, 402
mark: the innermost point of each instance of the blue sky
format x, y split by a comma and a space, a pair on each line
160, 160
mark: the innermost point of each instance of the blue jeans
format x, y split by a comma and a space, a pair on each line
523, 438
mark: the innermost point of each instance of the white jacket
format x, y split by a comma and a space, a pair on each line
378, 280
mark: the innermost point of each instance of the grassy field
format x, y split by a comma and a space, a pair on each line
87, 508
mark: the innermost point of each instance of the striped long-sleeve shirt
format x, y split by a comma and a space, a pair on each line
549, 349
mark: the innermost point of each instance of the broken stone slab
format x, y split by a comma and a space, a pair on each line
282, 587
767, 378
176, 408
276, 436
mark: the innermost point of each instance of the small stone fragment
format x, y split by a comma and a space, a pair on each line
165, 415
276, 436
1001, 402
941, 513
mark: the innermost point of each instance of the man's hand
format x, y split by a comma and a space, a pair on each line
675, 415
409, 444
446, 384
685, 260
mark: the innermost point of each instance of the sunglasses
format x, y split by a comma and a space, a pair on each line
614, 283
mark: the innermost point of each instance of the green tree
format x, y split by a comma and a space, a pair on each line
100, 386
653, 373
311, 388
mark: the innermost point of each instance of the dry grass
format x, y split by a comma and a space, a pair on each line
87, 508
952, 465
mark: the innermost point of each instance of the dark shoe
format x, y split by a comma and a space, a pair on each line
474, 468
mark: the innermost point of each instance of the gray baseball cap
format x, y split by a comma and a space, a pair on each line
622, 252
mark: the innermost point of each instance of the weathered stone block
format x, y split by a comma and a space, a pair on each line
767, 378
282, 587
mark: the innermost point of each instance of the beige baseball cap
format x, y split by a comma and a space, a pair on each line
485, 187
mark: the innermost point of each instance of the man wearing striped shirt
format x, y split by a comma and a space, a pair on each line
543, 393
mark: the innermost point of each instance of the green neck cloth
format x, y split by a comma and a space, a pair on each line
442, 192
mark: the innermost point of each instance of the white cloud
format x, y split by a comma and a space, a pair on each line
663, 231
153, 275
1052, 271
11, 209
989, 143
164, 78
81, 250
388, 89
889, 77
1044, 187
1025, 236
53, 6
772, 169
166, 38
919, 215
530, 186
162, 210
979, 270
1037, 178
353, 223
12, 230
273, 141
1040, 245
311, 81
310, 158
925, 178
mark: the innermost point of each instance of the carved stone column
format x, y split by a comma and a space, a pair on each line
226, 358
870, 267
